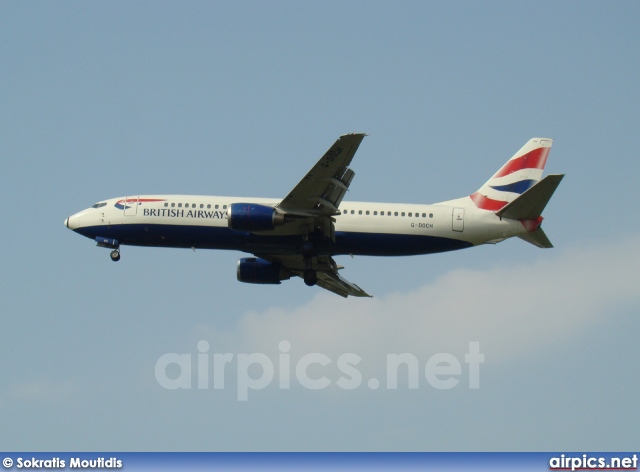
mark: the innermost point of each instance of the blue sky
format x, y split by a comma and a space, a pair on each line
241, 98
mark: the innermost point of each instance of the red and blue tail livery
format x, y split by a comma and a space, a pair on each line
518, 175
301, 234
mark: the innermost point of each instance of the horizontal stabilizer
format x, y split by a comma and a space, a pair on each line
531, 203
537, 238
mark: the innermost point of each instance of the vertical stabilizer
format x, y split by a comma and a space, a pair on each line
518, 175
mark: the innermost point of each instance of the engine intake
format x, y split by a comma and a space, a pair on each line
253, 217
254, 270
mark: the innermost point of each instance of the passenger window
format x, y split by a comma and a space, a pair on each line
216, 207
410, 214
173, 205
179, 205
202, 205
403, 213
224, 207
166, 204
424, 215
375, 213
430, 215
395, 214
367, 212
209, 205
359, 212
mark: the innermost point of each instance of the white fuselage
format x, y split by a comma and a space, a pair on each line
365, 228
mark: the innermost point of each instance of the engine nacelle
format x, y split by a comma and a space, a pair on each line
107, 242
253, 217
254, 270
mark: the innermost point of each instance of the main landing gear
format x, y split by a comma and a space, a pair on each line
115, 255
310, 275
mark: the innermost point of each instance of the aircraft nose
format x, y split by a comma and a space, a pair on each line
71, 222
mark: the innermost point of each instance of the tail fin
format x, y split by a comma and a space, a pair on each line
518, 175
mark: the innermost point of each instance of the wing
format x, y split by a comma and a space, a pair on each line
326, 269
322, 189
309, 209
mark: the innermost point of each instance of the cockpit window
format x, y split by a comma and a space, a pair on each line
99, 205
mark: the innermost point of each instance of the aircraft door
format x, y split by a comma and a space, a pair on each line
131, 206
458, 219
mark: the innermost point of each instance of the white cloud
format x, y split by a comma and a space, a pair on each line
511, 310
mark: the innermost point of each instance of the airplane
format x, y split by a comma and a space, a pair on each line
301, 234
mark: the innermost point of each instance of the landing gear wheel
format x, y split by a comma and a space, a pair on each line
307, 249
115, 255
310, 277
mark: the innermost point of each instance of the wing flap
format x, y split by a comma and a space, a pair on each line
333, 282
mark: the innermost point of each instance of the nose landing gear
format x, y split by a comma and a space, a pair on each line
111, 244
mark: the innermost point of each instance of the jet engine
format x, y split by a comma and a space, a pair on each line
253, 217
254, 270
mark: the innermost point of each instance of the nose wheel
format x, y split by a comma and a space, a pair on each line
115, 255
